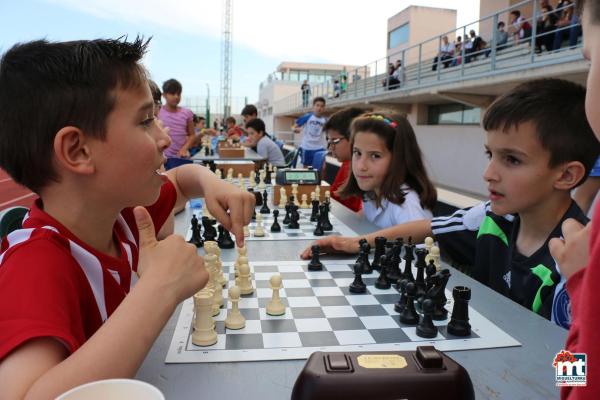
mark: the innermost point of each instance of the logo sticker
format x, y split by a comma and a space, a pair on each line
571, 368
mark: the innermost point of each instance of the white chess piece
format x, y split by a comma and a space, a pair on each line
211, 247
327, 196
428, 243
230, 174
275, 306
218, 173
252, 177
204, 332
246, 231
259, 230
244, 281
318, 192
304, 204
295, 194
282, 201
242, 252
235, 319
261, 183
243, 259
434, 254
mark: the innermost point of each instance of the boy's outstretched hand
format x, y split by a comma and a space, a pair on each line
172, 264
334, 244
222, 197
572, 251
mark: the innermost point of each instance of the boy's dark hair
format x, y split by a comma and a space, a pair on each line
407, 161
341, 120
592, 7
257, 124
197, 118
156, 94
62, 84
249, 109
516, 13
557, 108
230, 119
319, 98
501, 23
172, 86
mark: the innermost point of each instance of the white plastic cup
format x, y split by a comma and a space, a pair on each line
114, 389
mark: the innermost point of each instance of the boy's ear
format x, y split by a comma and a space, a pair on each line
72, 150
571, 174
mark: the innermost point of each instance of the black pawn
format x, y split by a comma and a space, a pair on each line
382, 281
210, 234
379, 251
399, 306
259, 199
206, 151
319, 229
275, 227
324, 211
221, 235
421, 265
196, 238
459, 322
315, 264
314, 215
357, 286
265, 209
409, 315
294, 217
426, 328
287, 219
364, 251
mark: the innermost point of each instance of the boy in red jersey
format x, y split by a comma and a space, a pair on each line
85, 287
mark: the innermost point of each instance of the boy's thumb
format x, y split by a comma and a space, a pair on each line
145, 226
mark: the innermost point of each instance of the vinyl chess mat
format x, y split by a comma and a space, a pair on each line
321, 315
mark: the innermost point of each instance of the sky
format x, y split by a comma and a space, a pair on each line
186, 34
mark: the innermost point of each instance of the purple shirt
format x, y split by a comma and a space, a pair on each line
177, 123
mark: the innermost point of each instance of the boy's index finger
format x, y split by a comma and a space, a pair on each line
236, 220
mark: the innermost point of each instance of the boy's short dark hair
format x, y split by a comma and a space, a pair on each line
257, 124
341, 120
45, 86
557, 108
156, 94
230, 119
501, 23
516, 13
319, 98
593, 9
249, 109
172, 86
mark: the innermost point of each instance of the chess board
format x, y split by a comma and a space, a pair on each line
321, 315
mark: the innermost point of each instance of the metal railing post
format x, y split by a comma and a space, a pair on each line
439, 64
462, 52
494, 43
365, 82
419, 64
533, 30
402, 75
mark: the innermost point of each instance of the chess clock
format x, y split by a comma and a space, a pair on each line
299, 176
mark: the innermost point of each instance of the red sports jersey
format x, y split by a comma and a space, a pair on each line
354, 203
54, 285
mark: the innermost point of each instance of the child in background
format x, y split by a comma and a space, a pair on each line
234, 132
337, 131
265, 147
179, 120
540, 147
311, 126
85, 287
579, 253
388, 171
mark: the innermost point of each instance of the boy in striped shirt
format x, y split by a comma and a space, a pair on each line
540, 146
85, 287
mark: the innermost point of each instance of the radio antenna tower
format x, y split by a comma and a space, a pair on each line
226, 58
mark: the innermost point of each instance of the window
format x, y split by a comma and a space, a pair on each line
453, 114
398, 36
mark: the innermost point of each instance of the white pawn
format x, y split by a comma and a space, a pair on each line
282, 201
259, 230
242, 254
261, 183
235, 319
244, 281
252, 177
246, 231
218, 173
318, 192
428, 243
275, 306
328, 197
241, 260
295, 194
204, 331
230, 175
312, 196
434, 254
304, 204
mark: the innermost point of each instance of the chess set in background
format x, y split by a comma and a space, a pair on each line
290, 309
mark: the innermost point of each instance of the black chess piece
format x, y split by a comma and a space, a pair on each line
315, 264
206, 151
196, 238
426, 328
294, 217
459, 321
268, 176
223, 176
357, 286
212, 152
314, 215
393, 272
421, 265
210, 233
399, 306
409, 315
212, 166
324, 211
220, 237
287, 219
382, 281
257, 176
319, 229
436, 294
379, 251
408, 259
265, 208
275, 227
226, 242
259, 199
364, 253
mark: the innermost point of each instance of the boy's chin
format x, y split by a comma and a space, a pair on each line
500, 210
